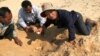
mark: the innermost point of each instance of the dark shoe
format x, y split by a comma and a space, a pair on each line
91, 22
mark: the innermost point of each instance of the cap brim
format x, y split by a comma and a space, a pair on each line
43, 13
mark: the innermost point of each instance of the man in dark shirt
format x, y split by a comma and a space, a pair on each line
70, 20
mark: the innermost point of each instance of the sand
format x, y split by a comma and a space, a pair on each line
47, 46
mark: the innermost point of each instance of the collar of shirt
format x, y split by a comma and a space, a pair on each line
32, 11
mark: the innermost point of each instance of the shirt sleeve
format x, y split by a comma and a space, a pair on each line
20, 19
71, 27
47, 23
38, 11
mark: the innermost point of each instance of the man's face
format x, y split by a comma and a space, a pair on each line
28, 9
7, 19
51, 15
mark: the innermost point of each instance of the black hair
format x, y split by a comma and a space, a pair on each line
26, 3
3, 11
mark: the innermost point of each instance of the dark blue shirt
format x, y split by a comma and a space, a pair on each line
65, 19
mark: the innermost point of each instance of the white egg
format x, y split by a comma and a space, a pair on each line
38, 32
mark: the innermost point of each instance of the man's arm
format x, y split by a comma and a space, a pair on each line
71, 27
20, 19
14, 35
16, 39
38, 11
47, 23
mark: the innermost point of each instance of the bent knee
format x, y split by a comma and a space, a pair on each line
86, 33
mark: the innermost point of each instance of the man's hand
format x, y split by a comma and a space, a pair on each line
39, 30
28, 29
18, 41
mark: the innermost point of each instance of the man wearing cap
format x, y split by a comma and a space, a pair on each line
29, 15
70, 20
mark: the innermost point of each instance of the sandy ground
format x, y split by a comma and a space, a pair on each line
47, 46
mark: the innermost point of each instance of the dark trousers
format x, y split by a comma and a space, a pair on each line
82, 27
9, 32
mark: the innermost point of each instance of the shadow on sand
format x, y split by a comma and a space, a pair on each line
49, 35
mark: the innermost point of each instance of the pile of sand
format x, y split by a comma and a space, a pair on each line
47, 46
